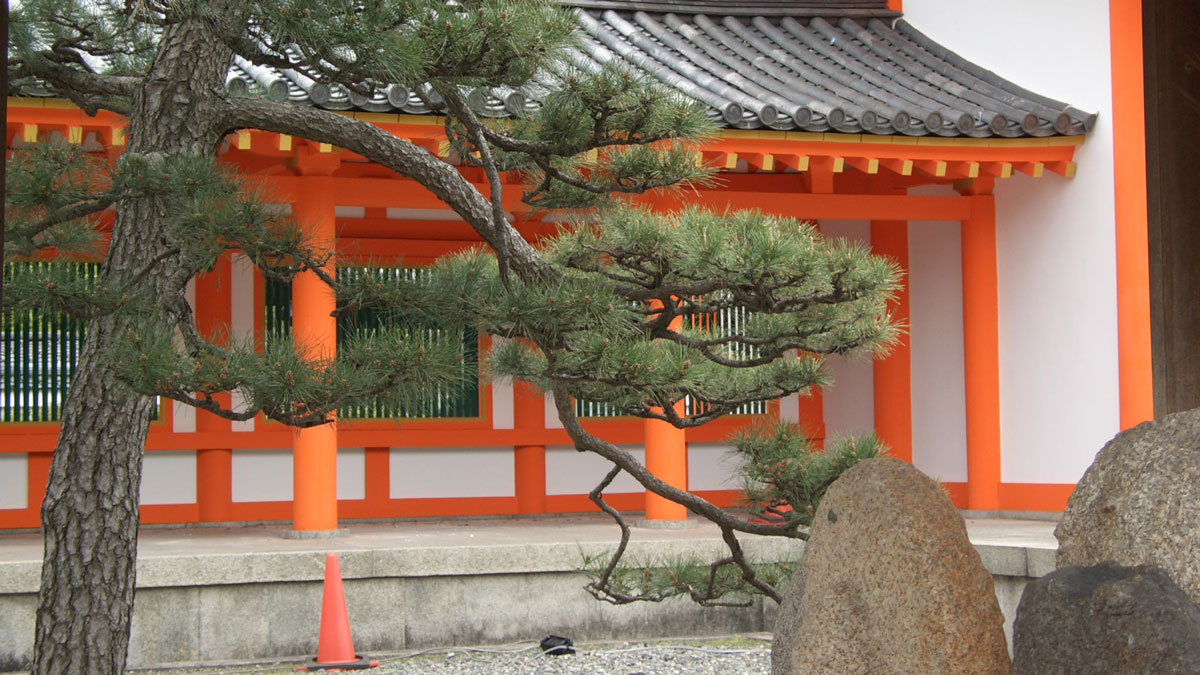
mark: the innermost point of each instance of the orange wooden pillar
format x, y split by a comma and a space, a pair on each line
981, 353
529, 415
314, 450
892, 375
214, 466
1134, 364
666, 458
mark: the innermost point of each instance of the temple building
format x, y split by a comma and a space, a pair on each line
997, 153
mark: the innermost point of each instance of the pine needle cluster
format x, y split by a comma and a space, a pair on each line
786, 474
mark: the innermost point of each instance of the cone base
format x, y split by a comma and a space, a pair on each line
359, 664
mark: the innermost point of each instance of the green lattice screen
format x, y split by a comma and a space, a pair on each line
727, 321
38, 353
461, 400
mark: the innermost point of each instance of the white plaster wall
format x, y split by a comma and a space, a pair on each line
850, 402
183, 416
570, 472
169, 477
262, 475
713, 466
14, 481
452, 472
939, 425
502, 403
241, 321
551, 418
351, 473
1055, 241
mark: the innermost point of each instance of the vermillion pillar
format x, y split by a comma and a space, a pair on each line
892, 375
981, 354
666, 458
214, 466
1135, 367
529, 414
314, 450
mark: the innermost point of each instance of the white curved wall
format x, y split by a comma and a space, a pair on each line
1055, 237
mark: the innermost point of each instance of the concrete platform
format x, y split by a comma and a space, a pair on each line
213, 594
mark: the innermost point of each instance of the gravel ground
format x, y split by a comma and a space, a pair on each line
725, 656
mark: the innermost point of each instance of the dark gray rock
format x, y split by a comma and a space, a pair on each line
891, 584
1139, 503
1106, 619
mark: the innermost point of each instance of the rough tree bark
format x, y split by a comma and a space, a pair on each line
90, 513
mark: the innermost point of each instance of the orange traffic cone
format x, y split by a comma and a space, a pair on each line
335, 649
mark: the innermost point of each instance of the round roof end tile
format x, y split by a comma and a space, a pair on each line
732, 113
1062, 123
802, 116
1029, 123
964, 124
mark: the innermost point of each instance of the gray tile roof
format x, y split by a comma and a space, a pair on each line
762, 64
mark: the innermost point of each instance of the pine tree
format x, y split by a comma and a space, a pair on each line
594, 315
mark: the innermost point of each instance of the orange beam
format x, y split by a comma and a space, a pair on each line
981, 353
1136, 388
892, 375
314, 462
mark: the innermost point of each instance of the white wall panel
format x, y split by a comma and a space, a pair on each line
262, 475
939, 425
241, 320
1055, 241
183, 416
452, 472
850, 402
570, 472
502, 403
169, 477
713, 466
552, 421
351, 473
14, 481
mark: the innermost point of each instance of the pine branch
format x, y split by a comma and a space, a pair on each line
585, 441
401, 156
90, 91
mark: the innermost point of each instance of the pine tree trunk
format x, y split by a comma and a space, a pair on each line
90, 514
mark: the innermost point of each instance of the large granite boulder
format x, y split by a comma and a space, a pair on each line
891, 584
1106, 619
1139, 503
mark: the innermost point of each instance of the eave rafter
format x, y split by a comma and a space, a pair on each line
780, 162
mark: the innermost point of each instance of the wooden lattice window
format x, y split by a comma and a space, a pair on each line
38, 352
460, 400
730, 321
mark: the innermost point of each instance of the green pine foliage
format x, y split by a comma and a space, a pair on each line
786, 475
599, 334
616, 309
